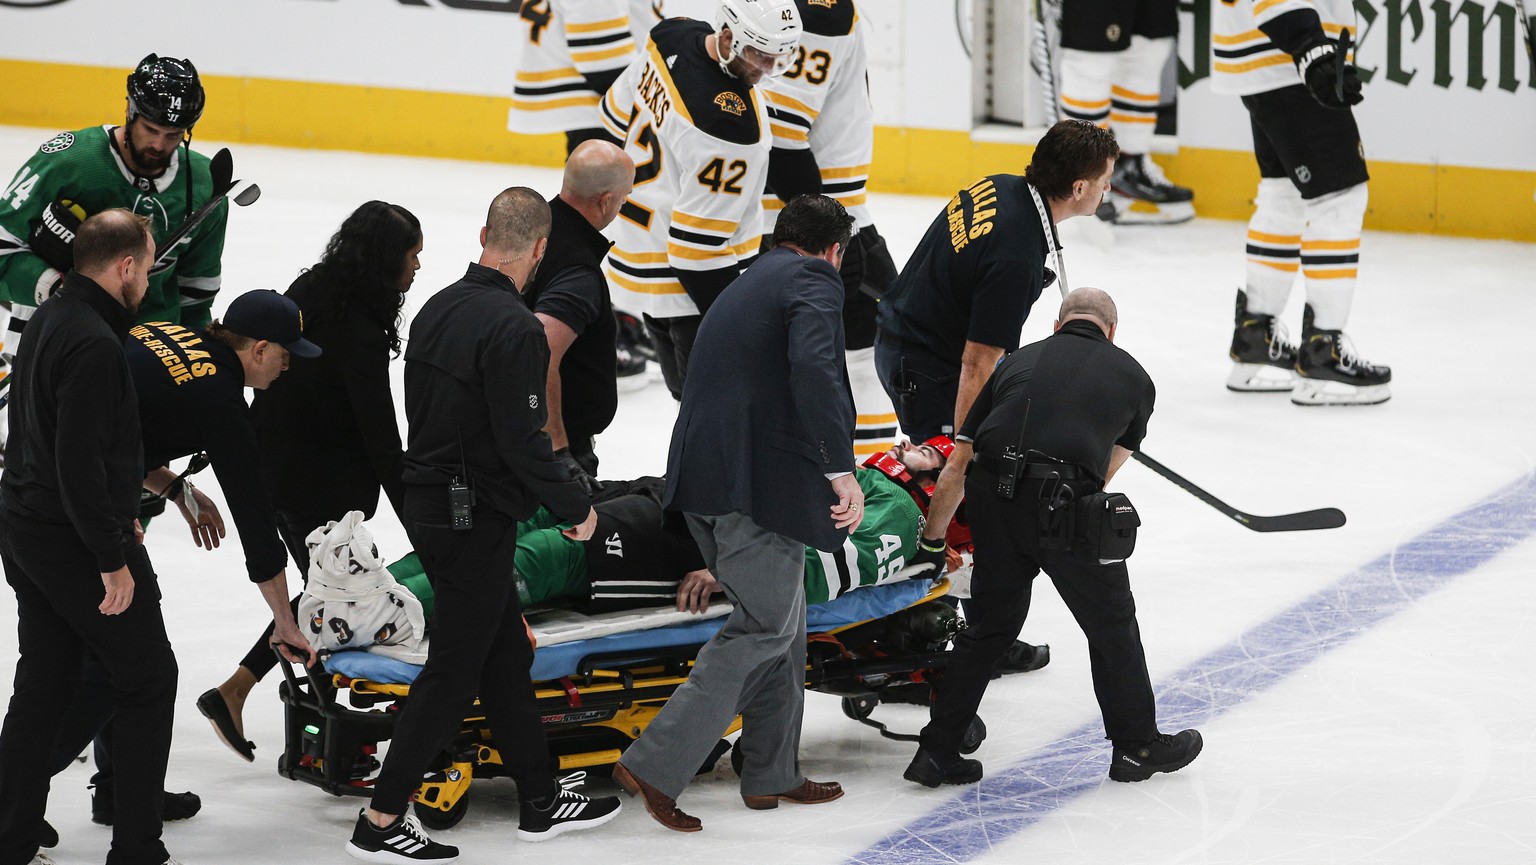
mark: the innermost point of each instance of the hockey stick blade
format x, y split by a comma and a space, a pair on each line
246, 197
1302, 521
220, 169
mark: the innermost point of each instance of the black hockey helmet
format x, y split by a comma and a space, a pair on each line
166, 91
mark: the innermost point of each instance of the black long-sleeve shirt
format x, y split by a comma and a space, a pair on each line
74, 455
191, 391
475, 370
327, 428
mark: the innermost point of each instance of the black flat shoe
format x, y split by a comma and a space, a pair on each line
213, 707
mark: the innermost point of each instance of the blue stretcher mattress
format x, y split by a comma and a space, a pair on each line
554, 662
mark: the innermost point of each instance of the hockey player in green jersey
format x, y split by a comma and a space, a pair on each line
643, 556
145, 166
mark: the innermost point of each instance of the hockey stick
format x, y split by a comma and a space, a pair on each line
220, 170
1341, 60
1525, 30
1047, 12
1323, 518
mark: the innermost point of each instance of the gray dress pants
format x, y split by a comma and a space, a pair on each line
754, 667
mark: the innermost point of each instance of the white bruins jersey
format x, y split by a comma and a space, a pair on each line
563, 41
700, 141
1245, 62
822, 103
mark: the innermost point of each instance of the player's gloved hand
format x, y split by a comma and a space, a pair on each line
1331, 79
53, 237
577, 473
930, 561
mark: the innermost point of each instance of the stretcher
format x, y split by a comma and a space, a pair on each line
599, 681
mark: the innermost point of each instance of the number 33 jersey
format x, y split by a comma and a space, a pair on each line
700, 141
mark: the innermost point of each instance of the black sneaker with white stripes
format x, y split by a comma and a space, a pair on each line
401, 841
566, 812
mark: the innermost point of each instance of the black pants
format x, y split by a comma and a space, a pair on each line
867, 272
674, 343
58, 590
1007, 558
294, 528
479, 648
922, 387
1107, 25
88, 718
1317, 148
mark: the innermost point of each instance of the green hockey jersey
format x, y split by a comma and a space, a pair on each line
877, 550
83, 167
552, 567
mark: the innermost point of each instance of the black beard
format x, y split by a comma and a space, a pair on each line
150, 167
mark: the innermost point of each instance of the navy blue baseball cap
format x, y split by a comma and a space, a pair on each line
265, 314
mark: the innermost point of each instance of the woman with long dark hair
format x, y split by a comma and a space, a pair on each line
327, 428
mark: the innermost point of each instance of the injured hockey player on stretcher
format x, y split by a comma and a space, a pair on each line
640, 570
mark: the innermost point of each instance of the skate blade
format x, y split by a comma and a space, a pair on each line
1260, 378
1311, 391
1134, 211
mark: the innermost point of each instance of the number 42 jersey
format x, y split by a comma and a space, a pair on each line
700, 141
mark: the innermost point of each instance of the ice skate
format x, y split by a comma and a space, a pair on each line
1263, 357
1139, 194
634, 349
1331, 373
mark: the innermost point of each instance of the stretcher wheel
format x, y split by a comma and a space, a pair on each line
859, 708
975, 734
432, 818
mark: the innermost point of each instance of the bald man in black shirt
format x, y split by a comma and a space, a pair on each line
1074, 407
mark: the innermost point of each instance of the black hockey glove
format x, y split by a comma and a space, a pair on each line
1330, 77
930, 560
53, 237
577, 473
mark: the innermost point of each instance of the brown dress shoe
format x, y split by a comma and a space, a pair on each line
808, 793
658, 804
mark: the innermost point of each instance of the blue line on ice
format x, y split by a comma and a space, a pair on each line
1008, 801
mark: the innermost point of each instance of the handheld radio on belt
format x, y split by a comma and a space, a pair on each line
461, 496
1011, 464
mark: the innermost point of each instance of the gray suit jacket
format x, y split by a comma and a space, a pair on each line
766, 410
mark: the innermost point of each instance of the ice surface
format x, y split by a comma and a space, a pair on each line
1365, 693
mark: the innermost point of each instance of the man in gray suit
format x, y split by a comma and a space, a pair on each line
762, 465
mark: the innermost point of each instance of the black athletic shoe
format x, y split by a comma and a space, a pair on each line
1331, 372
1259, 346
1138, 177
173, 806
568, 811
1165, 753
1022, 657
932, 768
402, 841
